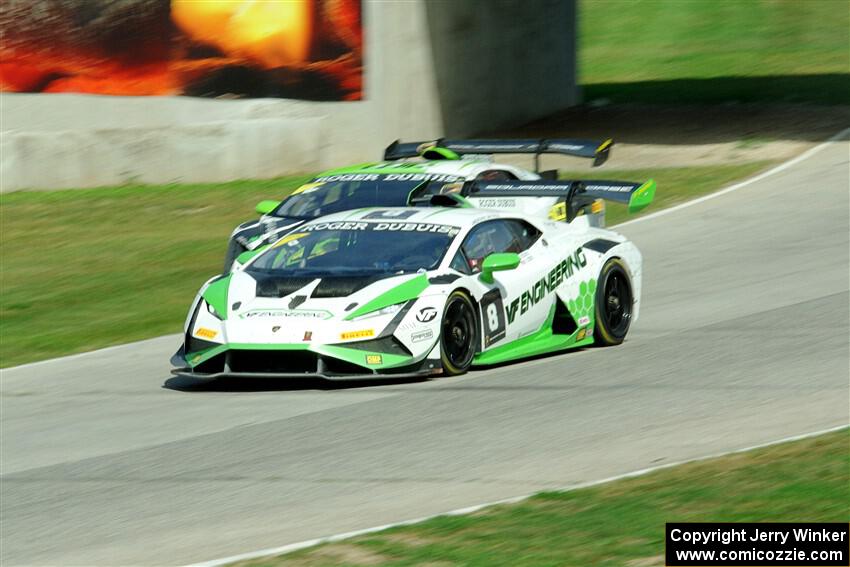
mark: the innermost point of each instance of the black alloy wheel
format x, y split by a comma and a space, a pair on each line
458, 334
614, 302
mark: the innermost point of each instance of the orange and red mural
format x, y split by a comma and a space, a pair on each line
305, 49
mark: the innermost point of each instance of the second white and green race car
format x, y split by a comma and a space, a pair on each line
410, 171
418, 291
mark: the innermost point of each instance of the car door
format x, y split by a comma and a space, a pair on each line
511, 306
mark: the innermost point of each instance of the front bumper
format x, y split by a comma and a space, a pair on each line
294, 363
188, 373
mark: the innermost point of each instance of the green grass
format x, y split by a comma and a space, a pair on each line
618, 523
85, 269
712, 51
675, 184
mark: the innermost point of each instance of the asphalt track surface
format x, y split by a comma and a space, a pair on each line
743, 339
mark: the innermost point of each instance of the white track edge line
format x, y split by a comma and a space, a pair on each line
284, 549
782, 166
776, 169
85, 354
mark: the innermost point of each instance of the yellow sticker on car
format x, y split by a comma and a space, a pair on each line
205, 333
289, 238
374, 359
558, 212
364, 334
307, 187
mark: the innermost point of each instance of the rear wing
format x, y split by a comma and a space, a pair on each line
576, 194
444, 148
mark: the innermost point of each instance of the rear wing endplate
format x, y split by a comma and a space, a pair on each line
445, 148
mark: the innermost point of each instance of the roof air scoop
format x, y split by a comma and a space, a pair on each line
438, 153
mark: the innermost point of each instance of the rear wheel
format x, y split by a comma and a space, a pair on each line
458, 334
613, 303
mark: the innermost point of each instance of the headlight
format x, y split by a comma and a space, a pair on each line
212, 310
388, 310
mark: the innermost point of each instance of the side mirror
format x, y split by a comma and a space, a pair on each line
243, 258
265, 207
497, 263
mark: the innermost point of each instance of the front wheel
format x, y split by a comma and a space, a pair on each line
458, 334
613, 303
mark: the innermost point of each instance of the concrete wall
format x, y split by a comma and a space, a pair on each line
432, 68
502, 62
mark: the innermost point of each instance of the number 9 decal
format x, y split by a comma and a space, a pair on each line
493, 313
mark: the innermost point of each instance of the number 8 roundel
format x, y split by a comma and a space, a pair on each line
493, 310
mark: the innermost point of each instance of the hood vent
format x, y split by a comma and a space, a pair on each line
331, 286
271, 286
343, 286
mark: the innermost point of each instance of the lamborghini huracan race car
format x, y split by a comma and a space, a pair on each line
392, 183
419, 290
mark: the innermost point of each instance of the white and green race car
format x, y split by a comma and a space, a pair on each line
414, 291
410, 171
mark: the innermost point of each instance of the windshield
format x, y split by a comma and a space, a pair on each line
357, 247
323, 198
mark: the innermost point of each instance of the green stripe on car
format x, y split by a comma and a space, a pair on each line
216, 296
411, 289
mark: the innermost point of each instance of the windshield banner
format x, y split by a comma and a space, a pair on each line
384, 227
388, 177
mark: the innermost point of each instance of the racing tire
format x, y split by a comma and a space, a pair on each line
458, 334
614, 303
234, 249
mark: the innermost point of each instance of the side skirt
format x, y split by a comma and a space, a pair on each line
542, 341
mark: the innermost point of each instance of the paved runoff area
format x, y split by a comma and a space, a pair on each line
742, 339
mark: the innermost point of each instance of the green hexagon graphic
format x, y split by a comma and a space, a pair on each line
582, 306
